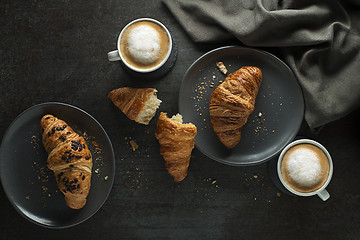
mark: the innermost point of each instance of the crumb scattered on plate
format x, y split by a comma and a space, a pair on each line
221, 67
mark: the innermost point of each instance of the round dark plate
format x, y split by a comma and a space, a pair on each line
279, 107
31, 187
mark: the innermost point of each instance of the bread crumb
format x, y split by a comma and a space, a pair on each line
85, 135
278, 194
97, 149
221, 67
133, 145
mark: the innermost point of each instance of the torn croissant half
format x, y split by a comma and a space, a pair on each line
138, 104
69, 158
176, 144
232, 102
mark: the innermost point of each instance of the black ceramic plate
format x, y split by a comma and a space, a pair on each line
31, 187
278, 113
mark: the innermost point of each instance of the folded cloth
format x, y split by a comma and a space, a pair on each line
314, 38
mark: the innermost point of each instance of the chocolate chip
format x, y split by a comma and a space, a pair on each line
47, 118
87, 157
62, 137
59, 176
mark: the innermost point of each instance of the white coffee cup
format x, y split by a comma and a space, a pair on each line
117, 55
321, 192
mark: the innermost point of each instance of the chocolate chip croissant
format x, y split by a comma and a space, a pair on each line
232, 102
176, 144
69, 158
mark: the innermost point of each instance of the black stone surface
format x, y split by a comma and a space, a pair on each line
56, 50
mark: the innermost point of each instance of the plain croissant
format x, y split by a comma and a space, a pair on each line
138, 104
69, 158
232, 102
176, 144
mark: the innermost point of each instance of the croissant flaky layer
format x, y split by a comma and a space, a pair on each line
138, 104
232, 102
176, 144
69, 158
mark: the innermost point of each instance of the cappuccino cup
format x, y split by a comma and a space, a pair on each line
305, 168
144, 45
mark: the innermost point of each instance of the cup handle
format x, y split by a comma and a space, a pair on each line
114, 56
324, 195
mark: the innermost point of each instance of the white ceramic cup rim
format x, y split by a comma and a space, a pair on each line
162, 62
302, 141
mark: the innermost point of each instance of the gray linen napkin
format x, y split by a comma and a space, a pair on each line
315, 39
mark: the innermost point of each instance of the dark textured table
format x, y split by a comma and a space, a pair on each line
57, 51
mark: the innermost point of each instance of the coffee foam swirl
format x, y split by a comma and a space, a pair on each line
144, 44
304, 167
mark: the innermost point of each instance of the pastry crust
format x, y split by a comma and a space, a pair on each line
176, 144
232, 102
138, 104
69, 158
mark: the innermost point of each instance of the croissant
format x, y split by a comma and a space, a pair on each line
232, 102
138, 104
176, 144
69, 158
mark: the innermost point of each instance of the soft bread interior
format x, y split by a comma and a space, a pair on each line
149, 110
177, 118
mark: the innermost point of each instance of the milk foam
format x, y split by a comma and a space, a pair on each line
304, 167
144, 44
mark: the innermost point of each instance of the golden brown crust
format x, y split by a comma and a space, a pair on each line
232, 102
75, 185
131, 101
176, 144
69, 158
